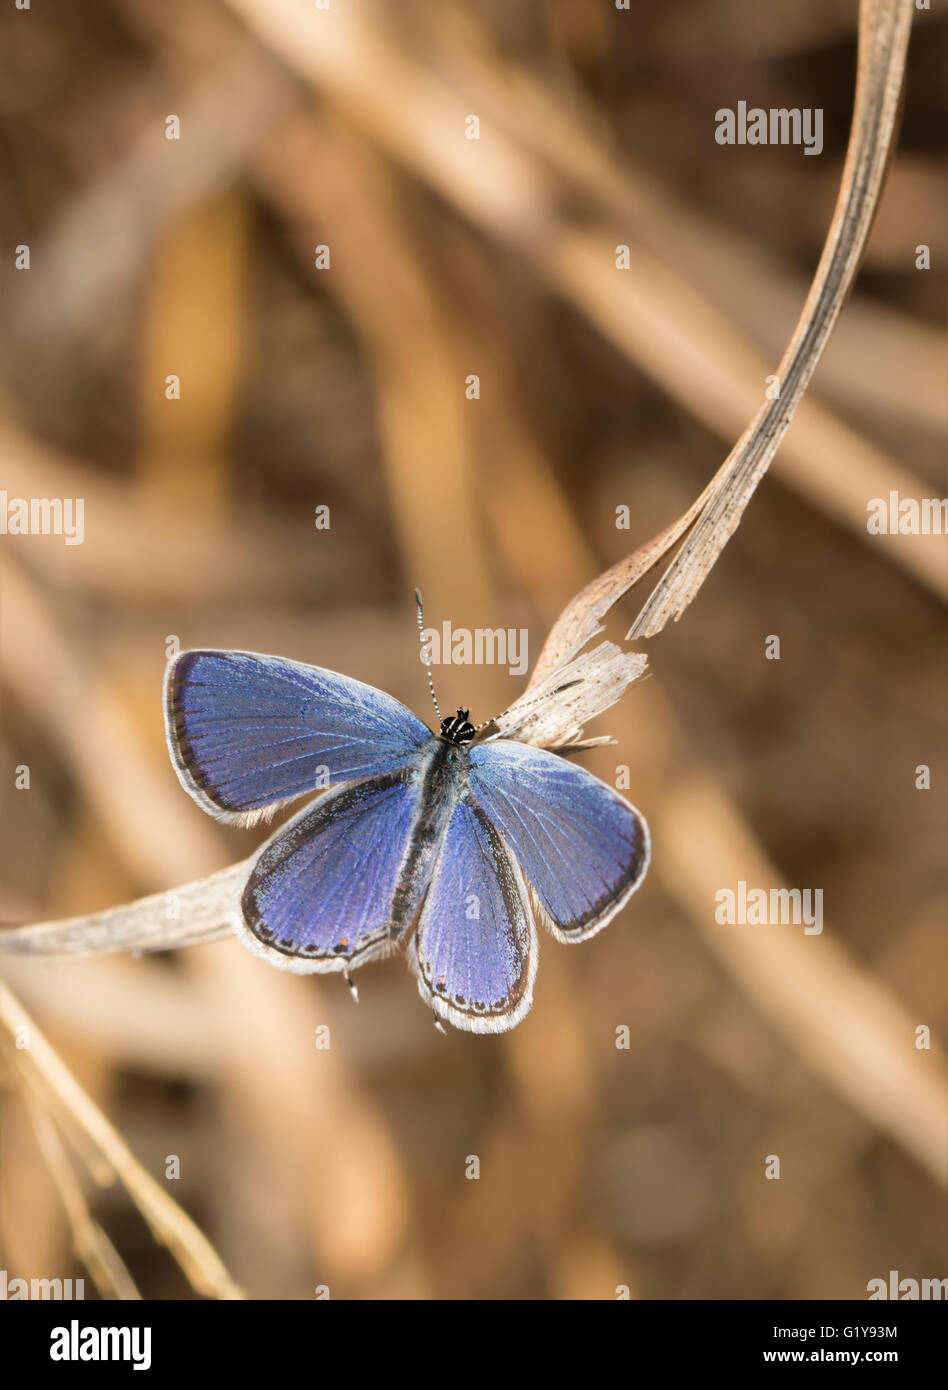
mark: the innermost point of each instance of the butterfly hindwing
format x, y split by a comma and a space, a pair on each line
475, 949
338, 884
249, 732
582, 848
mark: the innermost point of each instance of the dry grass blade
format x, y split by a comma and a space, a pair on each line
185, 916
883, 43
580, 620
90, 1243
56, 1088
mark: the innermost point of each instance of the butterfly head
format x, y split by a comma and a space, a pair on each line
458, 729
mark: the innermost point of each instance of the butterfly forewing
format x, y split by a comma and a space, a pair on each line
248, 732
583, 849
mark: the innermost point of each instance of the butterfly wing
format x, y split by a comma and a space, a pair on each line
475, 950
339, 883
247, 733
583, 849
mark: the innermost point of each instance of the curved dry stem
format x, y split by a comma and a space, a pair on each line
884, 27
713, 518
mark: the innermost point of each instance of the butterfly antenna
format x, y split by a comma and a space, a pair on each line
547, 695
426, 659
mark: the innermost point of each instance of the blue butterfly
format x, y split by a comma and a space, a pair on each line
448, 844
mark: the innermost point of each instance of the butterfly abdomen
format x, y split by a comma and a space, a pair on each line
442, 772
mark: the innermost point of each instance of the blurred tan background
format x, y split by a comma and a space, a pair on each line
345, 387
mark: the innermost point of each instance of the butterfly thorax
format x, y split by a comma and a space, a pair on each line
458, 729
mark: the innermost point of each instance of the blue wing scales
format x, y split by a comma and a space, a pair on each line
583, 849
337, 885
248, 733
474, 952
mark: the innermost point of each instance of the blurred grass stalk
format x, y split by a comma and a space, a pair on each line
43, 1075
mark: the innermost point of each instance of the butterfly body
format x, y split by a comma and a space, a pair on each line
450, 846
